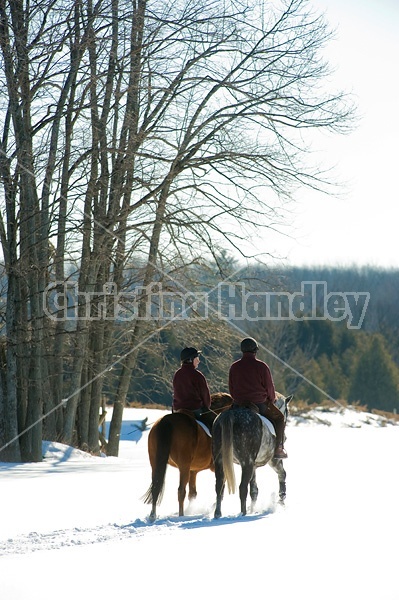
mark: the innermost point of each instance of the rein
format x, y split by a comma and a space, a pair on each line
217, 411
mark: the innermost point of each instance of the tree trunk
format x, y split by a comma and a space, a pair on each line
129, 363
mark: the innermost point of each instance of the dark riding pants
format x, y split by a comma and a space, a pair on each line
271, 412
206, 416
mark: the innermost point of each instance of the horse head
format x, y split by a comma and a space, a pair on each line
220, 401
282, 403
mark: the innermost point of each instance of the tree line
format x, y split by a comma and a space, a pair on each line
317, 359
138, 139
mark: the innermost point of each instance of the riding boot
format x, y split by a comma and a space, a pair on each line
271, 412
280, 452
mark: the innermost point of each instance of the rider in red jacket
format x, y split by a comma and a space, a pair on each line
190, 388
251, 382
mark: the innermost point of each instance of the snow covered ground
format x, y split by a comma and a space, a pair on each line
74, 526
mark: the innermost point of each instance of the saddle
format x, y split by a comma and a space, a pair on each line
191, 413
254, 408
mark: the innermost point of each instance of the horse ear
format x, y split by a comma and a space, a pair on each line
289, 398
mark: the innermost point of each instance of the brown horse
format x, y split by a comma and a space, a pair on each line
178, 440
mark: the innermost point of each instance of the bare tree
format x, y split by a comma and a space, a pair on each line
146, 133
225, 110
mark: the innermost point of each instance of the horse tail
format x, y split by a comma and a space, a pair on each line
227, 452
162, 441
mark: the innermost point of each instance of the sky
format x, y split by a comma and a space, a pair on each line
358, 226
74, 526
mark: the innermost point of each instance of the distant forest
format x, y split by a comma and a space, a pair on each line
348, 353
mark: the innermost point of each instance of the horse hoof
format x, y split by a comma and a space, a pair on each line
217, 514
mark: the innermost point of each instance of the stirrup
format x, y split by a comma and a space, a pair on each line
280, 453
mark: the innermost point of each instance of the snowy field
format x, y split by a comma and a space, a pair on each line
74, 526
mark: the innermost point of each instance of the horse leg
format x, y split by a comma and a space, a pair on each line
247, 472
192, 485
181, 492
153, 513
253, 490
219, 474
277, 465
156, 491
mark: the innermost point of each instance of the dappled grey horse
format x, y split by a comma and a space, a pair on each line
241, 436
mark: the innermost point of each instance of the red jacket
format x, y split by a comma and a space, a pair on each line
190, 389
250, 380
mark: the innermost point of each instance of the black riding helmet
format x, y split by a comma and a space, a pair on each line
249, 345
189, 354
